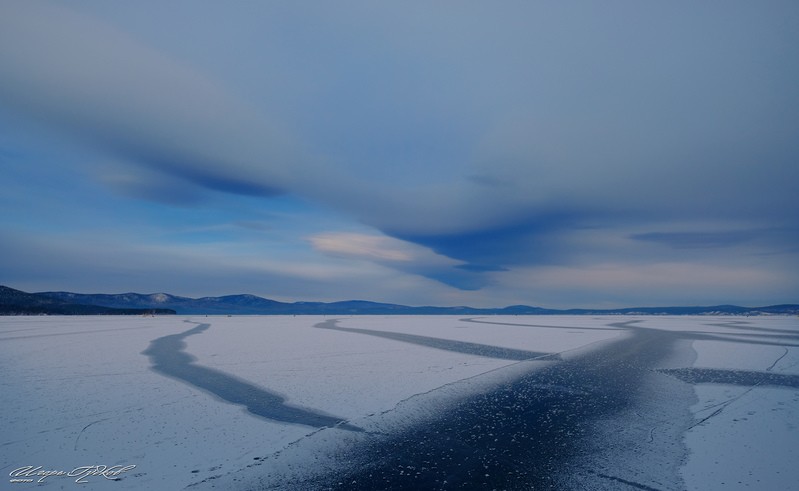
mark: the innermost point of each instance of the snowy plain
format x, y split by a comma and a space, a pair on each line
268, 402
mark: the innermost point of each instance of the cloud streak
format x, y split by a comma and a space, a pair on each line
101, 86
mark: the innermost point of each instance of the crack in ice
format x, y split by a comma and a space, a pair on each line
169, 358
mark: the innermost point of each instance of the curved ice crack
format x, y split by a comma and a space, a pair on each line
169, 358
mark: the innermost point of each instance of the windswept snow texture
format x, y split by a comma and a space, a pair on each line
403, 402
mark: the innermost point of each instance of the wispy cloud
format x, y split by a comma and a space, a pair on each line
97, 84
399, 255
371, 247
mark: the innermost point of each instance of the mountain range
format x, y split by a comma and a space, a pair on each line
16, 302
254, 305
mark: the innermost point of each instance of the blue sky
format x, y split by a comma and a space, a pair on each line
558, 154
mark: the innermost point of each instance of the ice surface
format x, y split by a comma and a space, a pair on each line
80, 391
747, 435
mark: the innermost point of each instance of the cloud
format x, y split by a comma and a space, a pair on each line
400, 255
620, 284
103, 263
472, 144
494, 247
101, 86
151, 186
370, 247
705, 241
698, 240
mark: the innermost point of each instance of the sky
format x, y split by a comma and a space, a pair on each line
556, 154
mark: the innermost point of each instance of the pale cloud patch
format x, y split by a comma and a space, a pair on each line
377, 248
399, 255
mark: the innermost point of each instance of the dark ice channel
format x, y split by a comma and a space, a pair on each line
476, 349
168, 358
563, 427
733, 377
612, 418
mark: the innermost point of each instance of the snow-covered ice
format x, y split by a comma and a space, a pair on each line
87, 391
747, 435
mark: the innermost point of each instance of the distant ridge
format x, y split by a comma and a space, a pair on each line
17, 302
254, 305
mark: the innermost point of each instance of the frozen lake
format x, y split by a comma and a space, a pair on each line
399, 402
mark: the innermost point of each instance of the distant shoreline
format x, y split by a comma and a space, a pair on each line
16, 302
